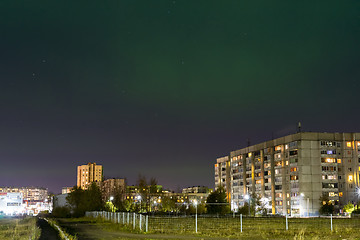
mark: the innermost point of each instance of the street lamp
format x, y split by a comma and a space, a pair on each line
195, 202
247, 197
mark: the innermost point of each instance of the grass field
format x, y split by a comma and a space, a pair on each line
261, 228
19, 229
229, 228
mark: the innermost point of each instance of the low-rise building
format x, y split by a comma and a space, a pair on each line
197, 189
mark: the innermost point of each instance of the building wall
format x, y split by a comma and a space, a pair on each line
294, 171
87, 174
113, 187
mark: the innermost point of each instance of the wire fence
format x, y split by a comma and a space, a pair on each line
220, 225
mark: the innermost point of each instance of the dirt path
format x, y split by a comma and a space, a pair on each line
47, 232
87, 231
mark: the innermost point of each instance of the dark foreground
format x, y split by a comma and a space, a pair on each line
87, 230
47, 232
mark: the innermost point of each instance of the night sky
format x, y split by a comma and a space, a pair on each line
163, 88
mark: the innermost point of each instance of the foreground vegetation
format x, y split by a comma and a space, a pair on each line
261, 228
19, 229
229, 228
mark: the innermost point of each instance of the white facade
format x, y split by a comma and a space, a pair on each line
11, 203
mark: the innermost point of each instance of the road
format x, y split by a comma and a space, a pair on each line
47, 232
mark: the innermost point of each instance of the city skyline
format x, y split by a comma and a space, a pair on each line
163, 89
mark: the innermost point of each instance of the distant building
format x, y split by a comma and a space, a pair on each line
28, 193
60, 200
11, 203
197, 189
66, 190
34, 200
113, 187
291, 173
87, 174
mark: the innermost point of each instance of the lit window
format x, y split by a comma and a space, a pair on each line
339, 160
350, 178
286, 146
249, 154
340, 194
348, 144
287, 162
278, 148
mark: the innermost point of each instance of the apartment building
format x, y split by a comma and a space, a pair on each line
87, 174
28, 193
197, 189
291, 173
222, 175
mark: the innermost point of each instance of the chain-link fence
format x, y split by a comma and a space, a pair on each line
229, 224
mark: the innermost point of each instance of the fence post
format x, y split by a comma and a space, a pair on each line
287, 227
123, 218
331, 222
128, 218
196, 223
147, 223
140, 223
240, 222
134, 217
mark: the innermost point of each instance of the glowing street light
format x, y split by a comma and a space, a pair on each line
139, 199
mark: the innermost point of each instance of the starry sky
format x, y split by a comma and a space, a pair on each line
162, 88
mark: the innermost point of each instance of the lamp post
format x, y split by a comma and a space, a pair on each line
195, 202
247, 197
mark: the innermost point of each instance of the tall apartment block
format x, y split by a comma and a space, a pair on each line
87, 174
291, 173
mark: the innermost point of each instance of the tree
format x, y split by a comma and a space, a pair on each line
77, 202
81, 200
154, 186
143, 192
93, 198
244, 209
167, 204
119, 196
349, 208
216, 202
326, 205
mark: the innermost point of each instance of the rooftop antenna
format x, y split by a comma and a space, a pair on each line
299, 127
